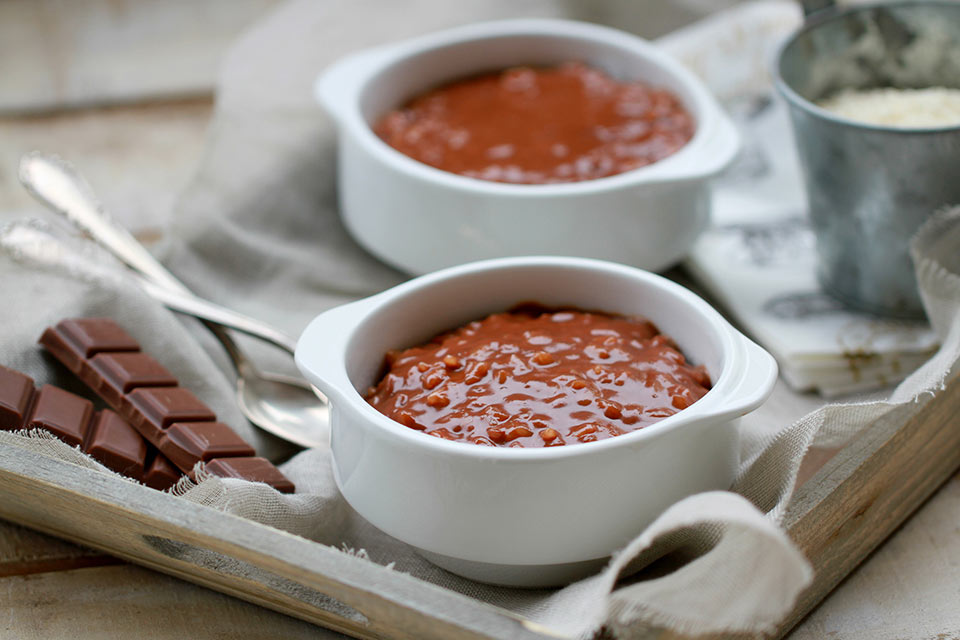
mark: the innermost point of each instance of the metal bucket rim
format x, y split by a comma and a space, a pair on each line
825, 16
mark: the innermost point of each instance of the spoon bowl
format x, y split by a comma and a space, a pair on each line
294, 410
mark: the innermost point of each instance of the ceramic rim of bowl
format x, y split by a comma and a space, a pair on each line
711, 121
735, 352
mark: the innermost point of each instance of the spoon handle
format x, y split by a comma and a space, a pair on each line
57, 184
54, 182
205, 310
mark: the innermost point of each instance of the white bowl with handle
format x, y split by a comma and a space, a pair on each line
420, 218
516, 516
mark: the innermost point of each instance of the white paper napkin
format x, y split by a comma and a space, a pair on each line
758, 261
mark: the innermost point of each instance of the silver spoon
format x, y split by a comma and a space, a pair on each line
285, 406
192, 305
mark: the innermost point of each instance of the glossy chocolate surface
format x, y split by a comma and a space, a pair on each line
539, 125
538, 378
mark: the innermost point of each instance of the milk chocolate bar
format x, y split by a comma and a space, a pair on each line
104, 435
141, 390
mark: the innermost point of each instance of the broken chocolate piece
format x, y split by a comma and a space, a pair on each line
124, 372
186, 443
16, 392
62, 413
144, 393
90, 336
116, 444
105, 436
153, 409
161, 473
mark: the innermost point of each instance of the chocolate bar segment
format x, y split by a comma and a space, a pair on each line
90, 336
112, 441
74, 341
16, 392
187, 443
161, 473
62, 413
143, 392
253, 469
68, 354
123, 372
109, 374
152, 409
105, 436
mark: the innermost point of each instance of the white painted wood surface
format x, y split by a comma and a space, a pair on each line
139, 158
89, 52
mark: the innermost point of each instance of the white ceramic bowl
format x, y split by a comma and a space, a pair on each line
420, 218
526, 516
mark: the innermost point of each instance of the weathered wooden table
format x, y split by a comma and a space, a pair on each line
138, 158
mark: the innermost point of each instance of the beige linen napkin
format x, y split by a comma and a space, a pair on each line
258, 230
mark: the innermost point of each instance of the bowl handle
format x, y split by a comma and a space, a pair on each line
757, 382
713, 154
721, 147
739, 396
339, 83
321, 348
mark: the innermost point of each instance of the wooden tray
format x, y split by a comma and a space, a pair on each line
850, 501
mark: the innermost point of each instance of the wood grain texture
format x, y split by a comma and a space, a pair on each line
869, 488
908, 588
245, 559
25, 552
815, 460
137, 158
131, 602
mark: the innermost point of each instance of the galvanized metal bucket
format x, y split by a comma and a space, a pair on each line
870, 187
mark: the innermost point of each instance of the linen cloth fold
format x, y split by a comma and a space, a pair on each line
258, 230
